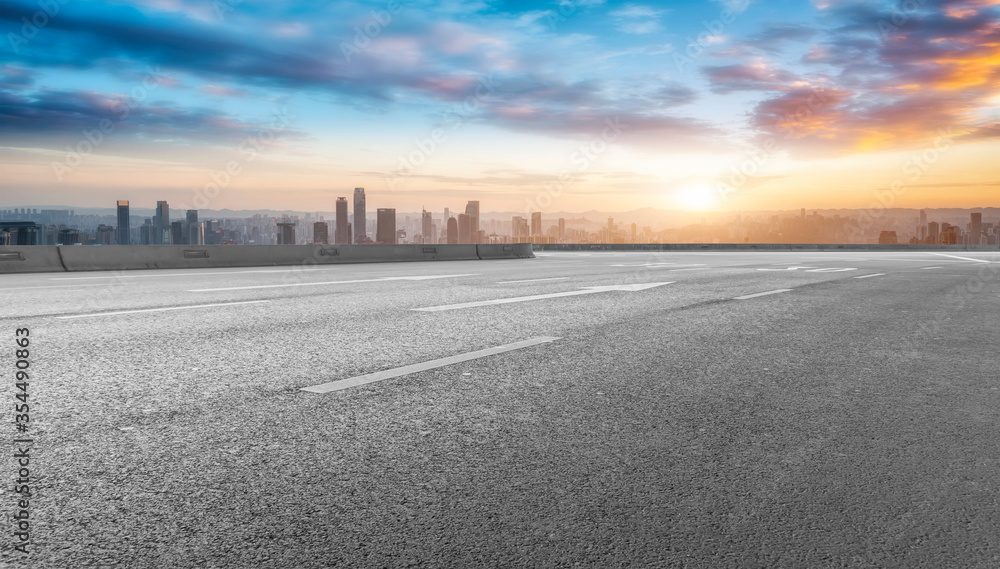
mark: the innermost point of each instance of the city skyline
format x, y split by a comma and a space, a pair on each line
715, 106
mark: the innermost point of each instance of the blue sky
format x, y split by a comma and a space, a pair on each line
737, 104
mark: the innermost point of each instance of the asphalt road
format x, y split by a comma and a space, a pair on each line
849, 420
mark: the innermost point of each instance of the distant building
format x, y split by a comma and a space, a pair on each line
385, 226
342, 228
536, 223
472, 210
321, 233
976, 229
105, 234
949, 235
452, 231
20, 232
427, 226
933, 230
196, 234
161, 221
122, 232
887, 238
464, 228
69, 236
178, 235
561, 235
360, 229
286, 233
519, 229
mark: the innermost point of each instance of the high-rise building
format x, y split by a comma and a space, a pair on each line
932, 232
121, 233
472, 210
161, 220
321, 233
536, 223
976, 229
427, 226
196, 234
519, 229
342, 230
286, 233
464, 228
192, 216
385, 226
562, 230
177, 233
360, 227
452, 231
949, 235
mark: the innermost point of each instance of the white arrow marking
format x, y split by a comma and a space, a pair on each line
586, 290
422, 278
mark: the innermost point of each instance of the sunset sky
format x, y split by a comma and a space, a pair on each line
559, 106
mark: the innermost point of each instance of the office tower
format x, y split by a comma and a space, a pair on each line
426, 226
976, 229
562, 230
887, 238
146, 232
121, 234
635, 230
68, 237
342, 230
932, 232
472, 210
286, 232
464, 228
360, 224
519, 229
105, 234
22, 232
177, 233
536, 223
949, 234
447, 214
350, 232
385, 226
192, 216
320, 233
196, 233
452, 231
162, 222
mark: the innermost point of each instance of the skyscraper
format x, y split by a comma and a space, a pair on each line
472, 210
536, 223
562, 229
465, 228
360, 227
427, 226
976, 229
342, 230
385, 226
161, 220
196, 233
121, 233
932, 232
286, 232
452, 231
321, 233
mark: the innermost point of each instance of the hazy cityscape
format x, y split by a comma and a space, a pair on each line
353, 222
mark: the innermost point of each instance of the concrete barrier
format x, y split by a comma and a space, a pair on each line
30, 259
505, 251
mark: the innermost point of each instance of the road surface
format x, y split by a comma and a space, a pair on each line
689, 409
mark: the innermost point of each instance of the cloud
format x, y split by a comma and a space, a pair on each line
758, 75
637, 19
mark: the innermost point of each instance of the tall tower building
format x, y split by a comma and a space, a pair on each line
342, 230
427, 226
321, 233
536, 223
472, 210
452, 231
162, 223
360, 228
932, 233
121, 232
562, 230
385, 226
464, 228
976, 229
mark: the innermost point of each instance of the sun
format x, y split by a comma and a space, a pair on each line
698, 198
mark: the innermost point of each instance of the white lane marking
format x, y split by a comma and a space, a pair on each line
871, 275
832, 270
794, 268
534, 280
586, 290
690, 269
660, 265
432, 364
29, 289
963, 258
746, 296
925, 268
162, 309
152, 273
287, 285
